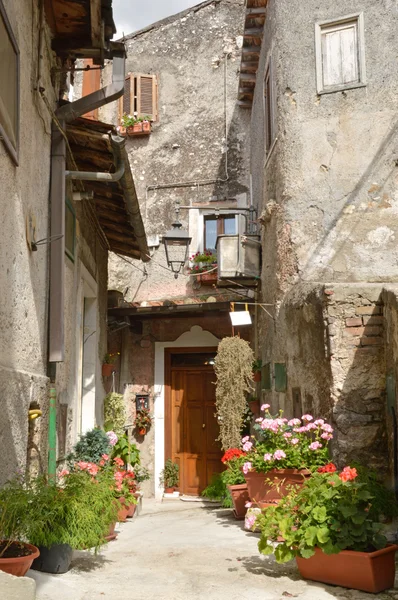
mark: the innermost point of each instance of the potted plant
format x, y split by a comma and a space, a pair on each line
254, 404
143, 421
91, 446
233, 478
74, 513
169, 476
204, 265
333, 531
284, 453
257, 366
16, 556
136, 125
108, 364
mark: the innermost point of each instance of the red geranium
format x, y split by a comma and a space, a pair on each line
231, 454
329, 468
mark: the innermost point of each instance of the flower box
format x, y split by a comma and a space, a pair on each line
272, 486
122, 131
367, 571
208, 278
141, 128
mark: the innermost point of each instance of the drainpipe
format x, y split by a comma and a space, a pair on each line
65, 114
52, 436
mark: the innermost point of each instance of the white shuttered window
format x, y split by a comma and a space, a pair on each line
340, 54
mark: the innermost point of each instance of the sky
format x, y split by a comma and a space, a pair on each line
131, 15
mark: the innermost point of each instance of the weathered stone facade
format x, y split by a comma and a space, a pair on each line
327, 195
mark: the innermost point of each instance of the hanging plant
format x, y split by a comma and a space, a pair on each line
114, 413
233, 367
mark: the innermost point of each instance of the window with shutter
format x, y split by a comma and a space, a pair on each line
340, 54
9, 87
269, 110
140, 96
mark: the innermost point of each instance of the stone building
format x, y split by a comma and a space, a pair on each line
324, 177
182, 72
55, 234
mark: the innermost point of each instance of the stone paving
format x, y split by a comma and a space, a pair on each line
180, 551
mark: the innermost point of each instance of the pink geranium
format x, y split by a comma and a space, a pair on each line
307, 417
294, 441
315, 446
267, 456
279, 454
246, 467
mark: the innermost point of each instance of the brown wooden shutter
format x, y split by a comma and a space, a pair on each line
126, 102
147, 96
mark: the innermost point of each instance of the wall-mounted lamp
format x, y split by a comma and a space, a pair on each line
142, 402
176, 244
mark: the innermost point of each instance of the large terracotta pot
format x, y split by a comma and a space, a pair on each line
240, 496
19, 565
107, 369
123, 510
131, 510
367, 571
111, 534
273, 485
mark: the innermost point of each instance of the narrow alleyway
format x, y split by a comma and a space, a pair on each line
179, 551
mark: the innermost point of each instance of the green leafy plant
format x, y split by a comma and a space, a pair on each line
91, 446
130, 120
217, 490
330, 511
202, 261
77, 511
384, 501
143, 419
287, 444
233, 367
257, 365
169, 476
127, 451
141, 474
14, 518
110, 358
114, 413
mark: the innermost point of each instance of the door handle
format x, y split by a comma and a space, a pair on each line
203, 425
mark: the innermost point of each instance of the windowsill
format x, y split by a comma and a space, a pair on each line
270, 152
341, 88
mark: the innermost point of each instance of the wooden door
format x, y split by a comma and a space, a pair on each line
194, 428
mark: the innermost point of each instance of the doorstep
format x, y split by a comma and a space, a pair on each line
17, 588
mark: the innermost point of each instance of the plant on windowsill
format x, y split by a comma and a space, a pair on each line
254, 404
333, 530
143, 421
169, 476
257, 366
108, 363
204, 265
132, 125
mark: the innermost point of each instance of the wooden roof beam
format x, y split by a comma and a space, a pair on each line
253, 32
252, 65
96, 23
247, 77
251, 49
244, 104
258, 10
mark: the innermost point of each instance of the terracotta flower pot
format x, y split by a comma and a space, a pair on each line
111, 535
142, 431
367, 571
131, 510
240, 496
123, 510
146, 127
20, 565
169, 490
122, 131
256, 375
107, 369
273, 485
208, 278
254, 406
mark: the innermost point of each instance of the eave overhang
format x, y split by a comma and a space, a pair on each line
252, 38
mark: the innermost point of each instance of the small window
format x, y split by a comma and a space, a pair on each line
280, 377
215, 226
340, 54
269, 109
70, 230
140, 96
9, 87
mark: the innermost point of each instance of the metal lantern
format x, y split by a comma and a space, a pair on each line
176, 244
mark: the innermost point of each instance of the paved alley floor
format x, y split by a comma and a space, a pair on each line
179, 551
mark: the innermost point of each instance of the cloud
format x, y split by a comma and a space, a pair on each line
132, 15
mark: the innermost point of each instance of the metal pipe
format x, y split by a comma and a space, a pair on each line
95, 176
52, 436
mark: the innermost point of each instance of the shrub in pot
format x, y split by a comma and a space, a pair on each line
16, 556
284, 453
332, 530
169, 476
75, 513
92, 446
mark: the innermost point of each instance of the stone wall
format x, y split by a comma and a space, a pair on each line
24, 191
201, 136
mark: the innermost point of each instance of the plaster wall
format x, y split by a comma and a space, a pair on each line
23, 274
332, 172
200, 137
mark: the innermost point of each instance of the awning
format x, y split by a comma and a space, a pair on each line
115, 203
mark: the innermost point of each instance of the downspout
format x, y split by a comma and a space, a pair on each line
56, 346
